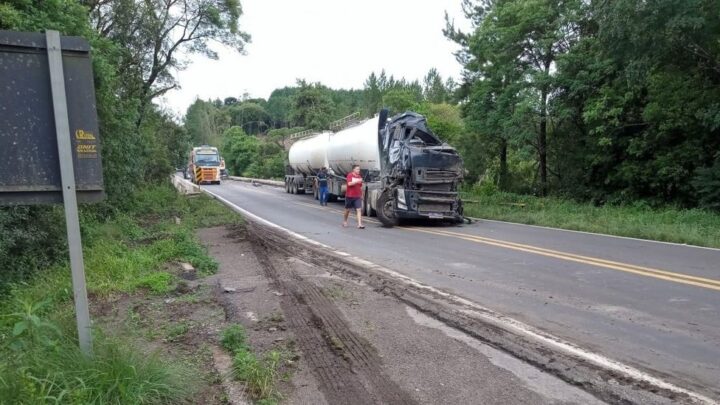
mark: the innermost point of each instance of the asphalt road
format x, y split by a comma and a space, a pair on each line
652, 305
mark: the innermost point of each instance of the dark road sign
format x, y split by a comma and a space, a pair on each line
29, 163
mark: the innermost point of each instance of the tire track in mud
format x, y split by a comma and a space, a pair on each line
607, 385
347, 368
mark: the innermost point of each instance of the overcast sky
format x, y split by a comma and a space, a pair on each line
336, 42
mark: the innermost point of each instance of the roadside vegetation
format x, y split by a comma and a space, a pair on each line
639, 220
259, 374
127, 253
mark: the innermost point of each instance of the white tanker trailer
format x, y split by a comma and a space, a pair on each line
337, 152
408, 172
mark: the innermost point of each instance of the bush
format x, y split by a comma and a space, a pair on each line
259, 375
31, 239
159, 283
233, 338
707, 183
638, 220
42, 363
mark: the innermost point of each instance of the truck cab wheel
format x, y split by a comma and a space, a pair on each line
386, 211
367, 209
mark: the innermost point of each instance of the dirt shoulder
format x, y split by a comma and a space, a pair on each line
352, 343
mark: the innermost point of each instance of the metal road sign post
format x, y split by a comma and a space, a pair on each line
67, 174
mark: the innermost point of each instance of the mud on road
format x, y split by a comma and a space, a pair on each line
603, 383
359, 338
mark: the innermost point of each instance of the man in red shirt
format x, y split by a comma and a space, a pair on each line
353, 196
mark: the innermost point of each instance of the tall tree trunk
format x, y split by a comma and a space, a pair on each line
542, 143
542, 136
503, 180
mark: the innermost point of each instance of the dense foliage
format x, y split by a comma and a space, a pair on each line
135, 48
609, 101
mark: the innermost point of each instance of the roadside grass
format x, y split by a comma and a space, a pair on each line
690, 226
260, 374
124, 253
118, 373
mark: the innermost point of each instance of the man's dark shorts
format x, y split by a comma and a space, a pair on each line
351, 202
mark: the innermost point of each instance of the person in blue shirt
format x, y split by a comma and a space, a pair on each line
322, 186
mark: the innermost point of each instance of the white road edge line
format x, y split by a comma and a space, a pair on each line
597, 234
485, 313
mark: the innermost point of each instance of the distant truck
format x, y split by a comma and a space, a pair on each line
408, 171
204, 165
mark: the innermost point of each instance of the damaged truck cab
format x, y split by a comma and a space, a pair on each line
419, 174
408, 171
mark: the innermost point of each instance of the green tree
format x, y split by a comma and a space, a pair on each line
444, 120
251, 156
434, 89
280, 105
640, 93
399, 100
312, 106
251, 117
239, 149
373, 95
153, 33
517, 41
202, 123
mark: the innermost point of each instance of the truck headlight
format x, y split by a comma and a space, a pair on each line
401, 197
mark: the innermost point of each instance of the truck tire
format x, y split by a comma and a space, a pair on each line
371, 211
386, 210
367, 209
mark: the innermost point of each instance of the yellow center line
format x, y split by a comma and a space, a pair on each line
593, 261
365, 219
628, 268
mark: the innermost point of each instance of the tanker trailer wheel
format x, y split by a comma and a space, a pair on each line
386, 210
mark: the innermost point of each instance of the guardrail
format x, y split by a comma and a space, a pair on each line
334, 126
303, 134
274, 183
344, 122
184, 186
